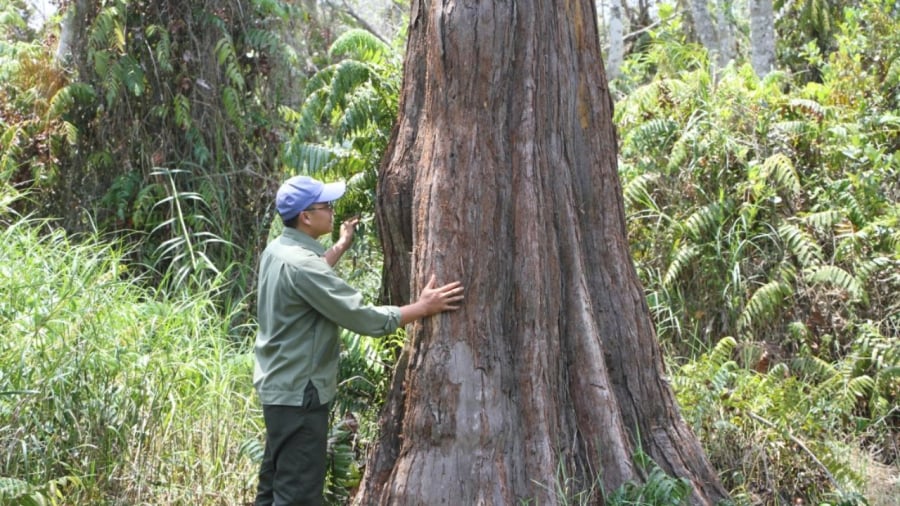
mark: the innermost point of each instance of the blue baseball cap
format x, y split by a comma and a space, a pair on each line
300, 192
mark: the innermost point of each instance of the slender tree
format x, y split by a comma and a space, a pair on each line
762, 36
616, 36
502, 174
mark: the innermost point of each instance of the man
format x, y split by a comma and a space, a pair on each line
302, 304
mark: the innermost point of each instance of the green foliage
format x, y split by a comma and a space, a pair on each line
15, 492
344, 125
658, 489
767, 209
755, 203
185, 87
780, 419
109, 389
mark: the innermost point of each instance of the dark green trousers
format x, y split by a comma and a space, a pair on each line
293, 467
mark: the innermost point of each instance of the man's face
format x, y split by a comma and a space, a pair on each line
321, 218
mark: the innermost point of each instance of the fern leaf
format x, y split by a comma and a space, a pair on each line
801, 245
360, 45
855, 211
683, 257
823, 220
814, 368
288, 115
263, 39
106, 29
705, 221
182, 109
68, 96
811, 108
71, 132
9, 142
309, 158
637, 192
866, 269
838, 278
781, 169
162, 47
348, 75
224, 50
130, 74
232, 103
654, 135
860, 387
680, 153
722, 352
764, 303
314, 108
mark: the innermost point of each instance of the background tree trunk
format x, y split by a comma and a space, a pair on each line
502, 174
616, 31
762, 36
704, 28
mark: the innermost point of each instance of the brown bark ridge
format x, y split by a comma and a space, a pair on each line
502, 174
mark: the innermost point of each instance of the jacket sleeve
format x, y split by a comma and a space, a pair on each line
331, 296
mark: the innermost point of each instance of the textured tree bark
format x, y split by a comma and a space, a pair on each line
705, 29
616, 31
502, 174
762, 36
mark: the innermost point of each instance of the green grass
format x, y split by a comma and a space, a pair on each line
115, 393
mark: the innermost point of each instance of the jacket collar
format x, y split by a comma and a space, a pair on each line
304, 240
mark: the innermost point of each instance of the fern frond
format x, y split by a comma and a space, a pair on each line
182, 109
227, 59
764, 304
307, 158
705, 221
654, 135
232, 102
859, 387
349, 74
823, 220
362, 111
680, 154
311, 114
162, 46
107, 30
288, 115
683, 257
864, 270
71, 133
130, 74
780, 168
11, 151
263, 39
810, 108
67, 96
814, 368
854, 210
801, 245
637, 191
722, 352
225, 50
360, 45
839, 278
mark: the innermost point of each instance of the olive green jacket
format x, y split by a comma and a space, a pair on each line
302, 305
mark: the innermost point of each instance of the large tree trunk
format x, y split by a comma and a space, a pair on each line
502, 174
